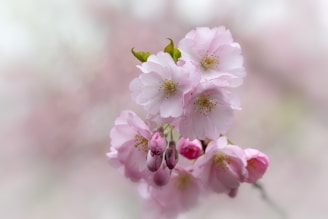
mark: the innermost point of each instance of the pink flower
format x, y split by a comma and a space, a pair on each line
171, 155
129, 145
208, 113
257, 164
222, 168
154, 161
181, 193
162, 176
215, 55
190, 149
162, 85
157, 144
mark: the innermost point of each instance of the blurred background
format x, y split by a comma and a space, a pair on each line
65, 66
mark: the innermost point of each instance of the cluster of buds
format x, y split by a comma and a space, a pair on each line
180, 154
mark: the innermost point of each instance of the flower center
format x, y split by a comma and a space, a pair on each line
204, 104
251, 163
141, 143
183, 181
209, 61
170, 87
221, 160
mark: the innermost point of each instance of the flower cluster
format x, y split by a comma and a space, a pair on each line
180, 154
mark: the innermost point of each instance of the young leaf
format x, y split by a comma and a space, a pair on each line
141, 56
169, 48
174, 52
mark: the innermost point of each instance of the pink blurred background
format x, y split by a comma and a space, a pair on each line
64, 74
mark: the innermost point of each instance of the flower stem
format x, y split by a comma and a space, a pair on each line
282, 213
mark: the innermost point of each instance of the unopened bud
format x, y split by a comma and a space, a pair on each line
190, 149
233, 192
171, 155
157, 144
162, 176
154, 161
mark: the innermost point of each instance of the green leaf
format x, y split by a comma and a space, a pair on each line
170, 47
174, 52
141, 56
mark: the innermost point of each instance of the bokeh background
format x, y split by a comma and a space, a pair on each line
65, 66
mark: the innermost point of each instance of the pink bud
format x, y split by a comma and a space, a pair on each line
233, 192
154, 161
157, 143
171, 155
162, 176
257, 164
190, 149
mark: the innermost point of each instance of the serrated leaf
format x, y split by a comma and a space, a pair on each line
141, 56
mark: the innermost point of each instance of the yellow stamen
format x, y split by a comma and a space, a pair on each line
204, 104
141, 143
183, 181
170, 87
251, 163
209, 61
221, 160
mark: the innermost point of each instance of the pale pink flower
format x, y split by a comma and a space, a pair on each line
182, 192
162, 85
215, 55
208, 113
257, 164
222, 168
129, 144
189, 149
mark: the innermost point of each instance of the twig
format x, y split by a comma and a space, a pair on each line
269, 201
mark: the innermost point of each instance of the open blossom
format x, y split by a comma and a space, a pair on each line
182, 192
257, 164
215, 55
162, 85
129, 145
208, 113
223, 167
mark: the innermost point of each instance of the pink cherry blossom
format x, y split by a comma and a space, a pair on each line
222, 168
208, 113
162, 85
257, 164
181, 193
189, 100
189, 149
215, 55
129, 144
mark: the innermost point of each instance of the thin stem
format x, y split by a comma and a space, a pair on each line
269, 201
